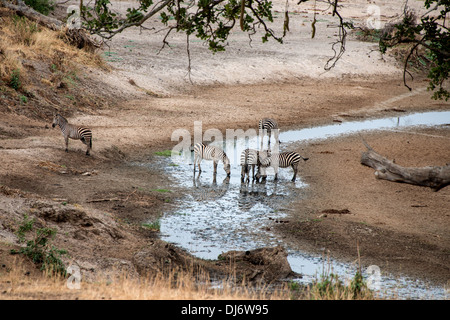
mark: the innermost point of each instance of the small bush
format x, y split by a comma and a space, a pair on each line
330, 287
23, 99
14, 80
39, 249
155, 225
41, 6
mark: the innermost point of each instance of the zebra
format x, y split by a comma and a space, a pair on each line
203, 151
73, 132
267, 125
250, 157
280, 160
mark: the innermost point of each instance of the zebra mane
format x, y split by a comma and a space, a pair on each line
61, 117
225, 158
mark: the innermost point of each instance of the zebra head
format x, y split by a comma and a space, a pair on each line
57, 119
264, 158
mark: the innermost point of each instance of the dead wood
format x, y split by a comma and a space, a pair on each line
75, 37
434, 177
22, 9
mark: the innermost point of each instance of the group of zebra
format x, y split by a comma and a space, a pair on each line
251, 158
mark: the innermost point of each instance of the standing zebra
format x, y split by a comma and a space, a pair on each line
267, 125
280, 160
73, 132
202, 151
250, 157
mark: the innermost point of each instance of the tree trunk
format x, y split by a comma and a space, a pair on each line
433, 177
22, 9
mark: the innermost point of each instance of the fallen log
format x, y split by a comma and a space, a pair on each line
431, 176
75, 37
22, 9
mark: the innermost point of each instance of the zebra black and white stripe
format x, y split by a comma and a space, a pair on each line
203, 151
73, 132
280, 160
266, 125
250, 159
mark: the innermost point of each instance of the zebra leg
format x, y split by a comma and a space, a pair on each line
276, 173
195, 162
242, 173
89, 145
215, 167
295, 167
67, 143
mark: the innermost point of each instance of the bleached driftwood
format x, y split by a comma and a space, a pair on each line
434, 177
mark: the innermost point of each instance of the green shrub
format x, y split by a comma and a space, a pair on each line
155, 225
41, 6
14, 80
39, 249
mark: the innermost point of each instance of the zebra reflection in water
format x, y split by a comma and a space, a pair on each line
209, 191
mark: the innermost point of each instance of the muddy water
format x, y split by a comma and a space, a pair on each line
219, 214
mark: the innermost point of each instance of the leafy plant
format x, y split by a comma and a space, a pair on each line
14, 80
41, 6
155, 225
39, 249
25, 226
432, 35
23, 99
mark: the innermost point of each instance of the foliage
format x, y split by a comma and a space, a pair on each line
41, 6
164, 153
210, 21
431, 34
331, 287
154, 226
14, 80
39, 248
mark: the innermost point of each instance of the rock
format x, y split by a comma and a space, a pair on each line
263, 264
159, 256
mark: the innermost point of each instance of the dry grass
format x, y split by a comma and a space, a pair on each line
16, 285
21, 40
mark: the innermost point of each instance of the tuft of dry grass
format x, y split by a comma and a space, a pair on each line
21, 40
175, 285
17, 284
